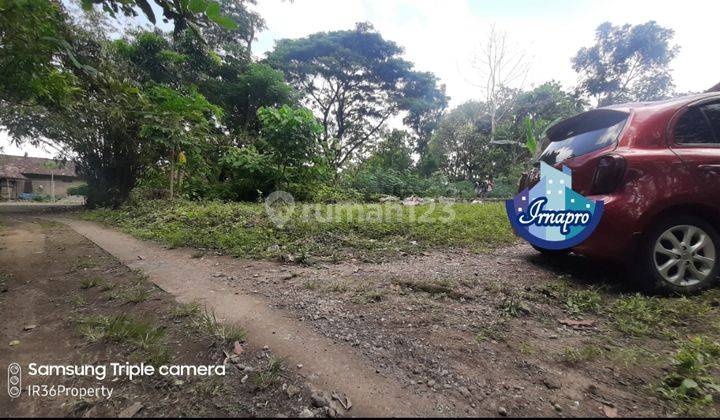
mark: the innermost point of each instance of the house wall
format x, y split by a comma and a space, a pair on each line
42, 184
5, 191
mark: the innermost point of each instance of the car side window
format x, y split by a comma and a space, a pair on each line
712, 112
693, 128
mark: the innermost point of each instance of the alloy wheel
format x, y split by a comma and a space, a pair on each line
684, 255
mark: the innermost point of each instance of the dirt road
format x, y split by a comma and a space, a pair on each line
66, 302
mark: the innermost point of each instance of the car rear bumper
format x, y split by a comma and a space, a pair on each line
618, 233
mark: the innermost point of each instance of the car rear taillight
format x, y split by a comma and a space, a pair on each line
609, 174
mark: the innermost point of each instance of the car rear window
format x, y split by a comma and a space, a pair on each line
582, 134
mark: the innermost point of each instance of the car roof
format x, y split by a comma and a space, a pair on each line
673, 103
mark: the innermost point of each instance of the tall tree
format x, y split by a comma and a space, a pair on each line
424, 101
393, 152
543, 105
236, 43
501, 71
354, 81
627, 63
89, 100
462, 146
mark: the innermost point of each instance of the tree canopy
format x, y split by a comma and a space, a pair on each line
355, 81
627, 63
331, 116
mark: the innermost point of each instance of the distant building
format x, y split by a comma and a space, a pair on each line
21, 174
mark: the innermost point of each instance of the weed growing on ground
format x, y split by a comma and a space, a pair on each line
207, 322
136, 294
107, 286
338, 286
83, 263
691, 385
632, 356
372, 296
573, 356
78, 301
311, 285
133, 294
185, 310
640, 316
490, 333
211, 387
91, 282
577, 301
512, 305
526, 349
146, 339
268, 374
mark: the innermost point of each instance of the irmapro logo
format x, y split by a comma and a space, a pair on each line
551, 215
14, 383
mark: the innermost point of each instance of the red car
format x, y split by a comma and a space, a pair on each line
656, 166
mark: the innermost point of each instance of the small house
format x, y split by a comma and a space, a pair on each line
39, 176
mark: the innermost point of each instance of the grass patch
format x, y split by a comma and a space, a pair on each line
185, 310
372, 296
691, 385
207, 323
311, 285
639, 316
83, 263
268, 374
48, 224
91, 282
435, 288
134, 294
573, 356
107, 286
577, 301
633, 356
527, 349
338, 286
122, 329
490, 333
78, 301
245, 230
512, 305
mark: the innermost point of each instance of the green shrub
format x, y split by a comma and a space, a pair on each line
81, 189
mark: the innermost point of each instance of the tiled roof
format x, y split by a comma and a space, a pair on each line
17, 166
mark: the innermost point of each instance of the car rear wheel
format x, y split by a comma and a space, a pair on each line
681, 255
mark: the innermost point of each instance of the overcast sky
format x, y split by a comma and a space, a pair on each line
442, 36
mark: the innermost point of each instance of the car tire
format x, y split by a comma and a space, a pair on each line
679, 255
552, 252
